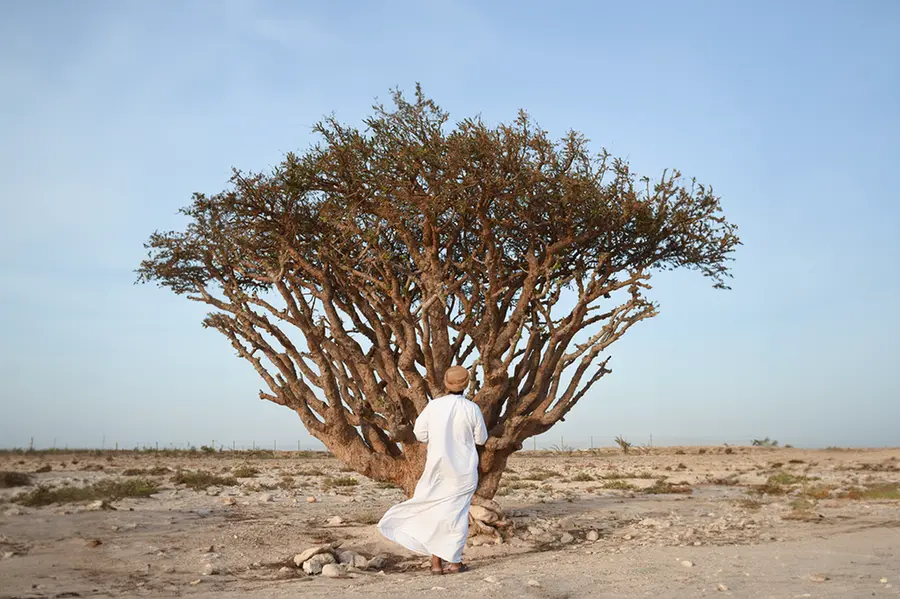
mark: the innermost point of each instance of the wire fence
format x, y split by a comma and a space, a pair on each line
547, 441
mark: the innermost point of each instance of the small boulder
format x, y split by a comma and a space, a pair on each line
482, 514
311, 500
229, 501
315, 564
377, 563
335, 521
592, 535
286, 572
566, 538
209, 570
265, 498
304, 556
100, 504
332, 571
687, 563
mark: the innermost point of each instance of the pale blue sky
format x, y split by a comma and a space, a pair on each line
112, 113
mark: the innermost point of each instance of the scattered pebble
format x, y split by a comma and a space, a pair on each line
209, 570
94, 543
311, 500
266, 498
286, 572
229, 501
533, 583
687, 563
377, 563
883, 581
8, 554
818, 578
198, 581
491, 579
592, 536
722, 587
335, 521
628, 537
566, 538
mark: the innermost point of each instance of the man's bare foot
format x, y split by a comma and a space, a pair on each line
436, 565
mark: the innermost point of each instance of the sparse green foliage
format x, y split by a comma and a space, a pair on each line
154, 471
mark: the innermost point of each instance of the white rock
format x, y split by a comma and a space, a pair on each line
209, 570
687, 563
8, 554
332, 571
883, 581
721, 587
100, 504
229, 501
311, 500
483, 514
592, 535
315, 564
335, 521
266, 498
491, 579
286, 572
533, 583
304, 556
628, 537
566, 538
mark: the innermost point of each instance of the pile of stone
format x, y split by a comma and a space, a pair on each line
328, 560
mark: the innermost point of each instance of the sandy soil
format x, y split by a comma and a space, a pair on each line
753, 522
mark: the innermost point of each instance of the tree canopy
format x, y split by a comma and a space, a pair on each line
354, 274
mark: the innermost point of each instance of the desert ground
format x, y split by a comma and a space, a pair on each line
657, 522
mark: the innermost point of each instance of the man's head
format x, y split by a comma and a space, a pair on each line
456, 379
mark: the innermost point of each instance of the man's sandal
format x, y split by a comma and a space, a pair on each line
456, 569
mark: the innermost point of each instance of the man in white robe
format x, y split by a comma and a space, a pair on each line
436, 520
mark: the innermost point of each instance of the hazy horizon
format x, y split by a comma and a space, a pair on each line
113, 113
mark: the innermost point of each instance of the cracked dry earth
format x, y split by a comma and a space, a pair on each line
665, 522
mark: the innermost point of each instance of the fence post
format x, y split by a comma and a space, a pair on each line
275, 445
157, 446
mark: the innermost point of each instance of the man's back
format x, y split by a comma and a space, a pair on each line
452, 426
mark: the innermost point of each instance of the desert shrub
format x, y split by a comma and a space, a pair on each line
200, 480
14, 479
245, 471
764, 442
44, 468
582, 477
340, 481
663, 487
155, 471
620, 485
109, 490
623, 444
539, 474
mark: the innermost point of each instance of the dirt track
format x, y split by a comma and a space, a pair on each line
755, 523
